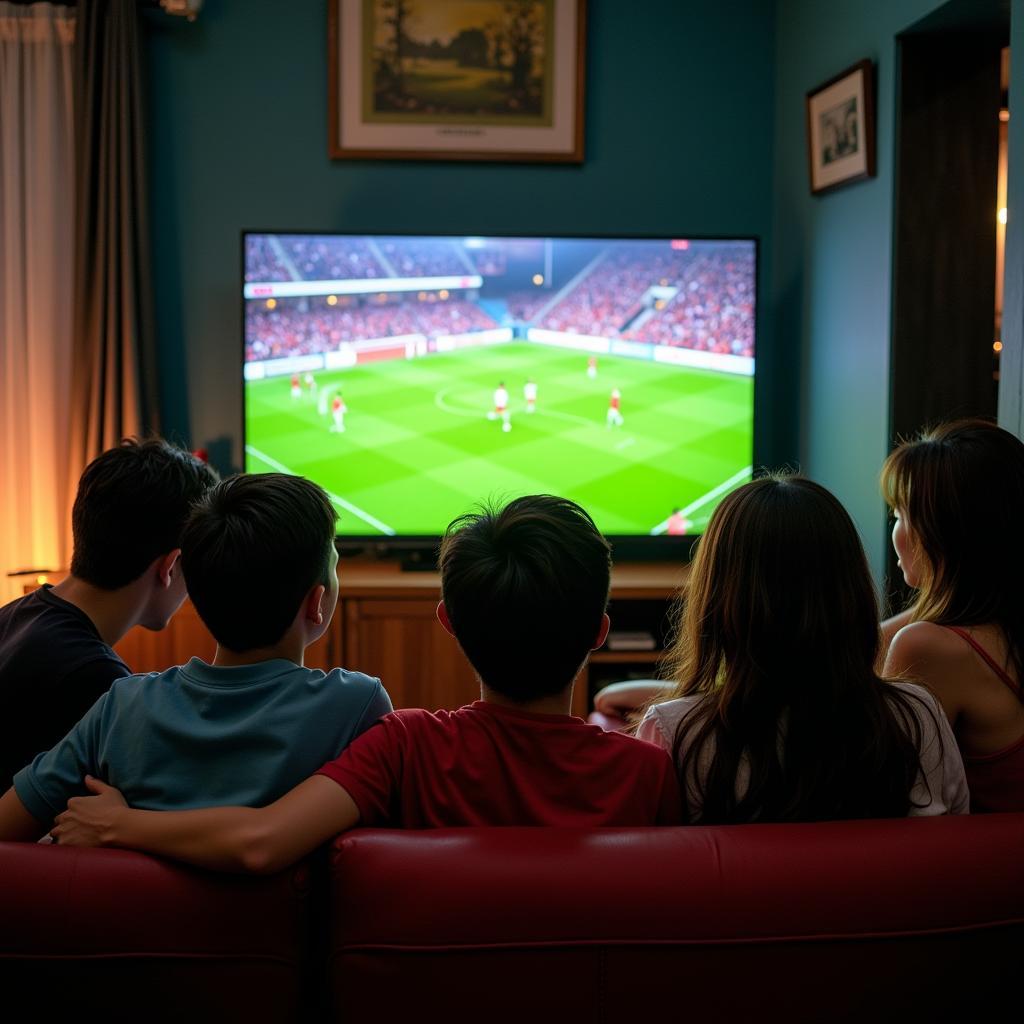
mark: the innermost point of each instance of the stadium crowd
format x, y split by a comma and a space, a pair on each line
526, 304
329, 258
348, 258
419, 257
712, 310
287, 330
262, 262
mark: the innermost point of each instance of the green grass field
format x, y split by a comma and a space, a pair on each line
418, 448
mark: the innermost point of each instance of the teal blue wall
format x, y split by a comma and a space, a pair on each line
679, 139
833, 254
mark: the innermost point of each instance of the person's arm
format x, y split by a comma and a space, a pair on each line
257, 840
376, 708
621, 699
44, 787
16, 824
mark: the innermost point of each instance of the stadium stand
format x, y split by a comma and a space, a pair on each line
712, 309
288, 331
418, 257
262, 262
323, 258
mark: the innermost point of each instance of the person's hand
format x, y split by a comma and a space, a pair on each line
89, 820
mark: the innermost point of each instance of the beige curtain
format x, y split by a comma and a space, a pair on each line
115, 373
36, 246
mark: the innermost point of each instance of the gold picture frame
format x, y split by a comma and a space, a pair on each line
456, 80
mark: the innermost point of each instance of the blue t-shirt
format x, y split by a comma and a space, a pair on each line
202, 736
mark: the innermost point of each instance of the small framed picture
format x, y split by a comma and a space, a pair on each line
456, 79
841, 129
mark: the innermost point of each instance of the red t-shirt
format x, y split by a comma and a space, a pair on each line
487, 764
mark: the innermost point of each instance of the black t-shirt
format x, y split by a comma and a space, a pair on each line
53, 667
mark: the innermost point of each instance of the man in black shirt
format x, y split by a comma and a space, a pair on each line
56, 644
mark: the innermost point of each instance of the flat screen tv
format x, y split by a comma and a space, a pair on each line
414, 376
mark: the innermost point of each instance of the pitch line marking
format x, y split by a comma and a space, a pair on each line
439, 401
340, 502
704, 499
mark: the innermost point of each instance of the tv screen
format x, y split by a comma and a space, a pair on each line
414, 376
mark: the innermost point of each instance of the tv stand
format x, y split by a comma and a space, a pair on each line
386, 626
419, 561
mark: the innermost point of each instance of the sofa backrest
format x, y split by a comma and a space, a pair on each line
130, 937
919, 919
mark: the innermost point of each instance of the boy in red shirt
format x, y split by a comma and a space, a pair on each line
524, 591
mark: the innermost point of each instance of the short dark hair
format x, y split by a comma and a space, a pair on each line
131, 505
525, 588
251, 550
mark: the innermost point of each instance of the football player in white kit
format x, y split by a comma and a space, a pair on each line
500, 411
530, 394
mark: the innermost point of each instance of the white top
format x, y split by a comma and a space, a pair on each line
941, 788
500, 398
530, 391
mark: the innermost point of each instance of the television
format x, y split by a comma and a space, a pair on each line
415, 376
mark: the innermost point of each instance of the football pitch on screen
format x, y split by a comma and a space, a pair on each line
418, 446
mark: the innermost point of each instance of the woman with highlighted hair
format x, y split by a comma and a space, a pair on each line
957, 493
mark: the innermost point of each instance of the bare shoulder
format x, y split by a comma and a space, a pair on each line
924, 640
933, 655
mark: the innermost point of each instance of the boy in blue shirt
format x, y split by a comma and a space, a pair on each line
259, 559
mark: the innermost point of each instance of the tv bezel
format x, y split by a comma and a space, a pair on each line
418, 550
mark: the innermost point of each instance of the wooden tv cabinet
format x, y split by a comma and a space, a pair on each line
385, 626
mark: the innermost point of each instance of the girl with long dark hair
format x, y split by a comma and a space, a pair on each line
777, 713
957, 493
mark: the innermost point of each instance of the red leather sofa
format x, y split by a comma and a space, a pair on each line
847, 921
909, 920
111, 935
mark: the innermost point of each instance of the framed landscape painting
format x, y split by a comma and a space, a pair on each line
841, 129
456, 79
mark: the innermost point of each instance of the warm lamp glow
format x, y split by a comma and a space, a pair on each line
1004, 115
997, 346
271, 303
538, 279
42, 579
332, 300
1001, 215
444, 293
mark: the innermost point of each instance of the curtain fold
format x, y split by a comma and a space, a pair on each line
36, 245
114, 378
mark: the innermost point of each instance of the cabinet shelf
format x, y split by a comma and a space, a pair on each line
385, 625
